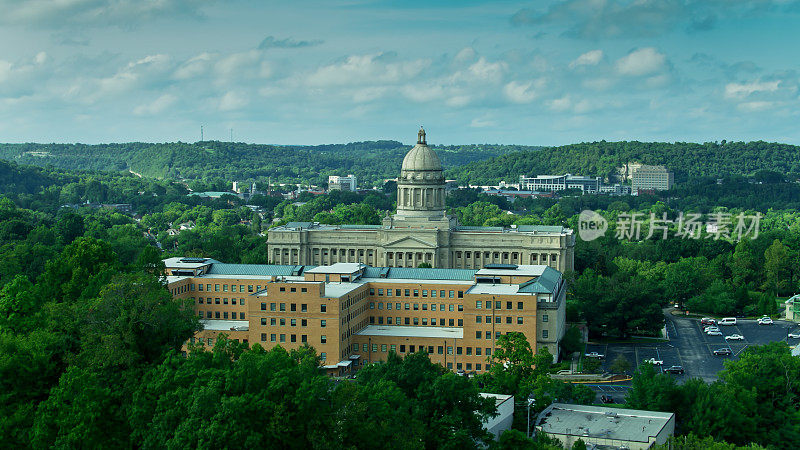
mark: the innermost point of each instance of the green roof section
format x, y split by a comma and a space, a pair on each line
420, 273
540, 228
360, 227
298, 224
545, 283
265, 270
471, 228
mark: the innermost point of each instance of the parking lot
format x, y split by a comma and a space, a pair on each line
689, 347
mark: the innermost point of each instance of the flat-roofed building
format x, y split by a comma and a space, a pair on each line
353, 314
613, 428
589, 185
348, 183
651, 178
421, 232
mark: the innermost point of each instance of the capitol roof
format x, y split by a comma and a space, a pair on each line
421, 158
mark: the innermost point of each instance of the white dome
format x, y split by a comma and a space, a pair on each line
421, 158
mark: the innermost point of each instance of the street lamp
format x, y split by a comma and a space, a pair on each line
531, 401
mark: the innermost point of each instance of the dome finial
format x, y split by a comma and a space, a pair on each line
421, 136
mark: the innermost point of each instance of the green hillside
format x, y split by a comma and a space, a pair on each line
602, 158
371, 161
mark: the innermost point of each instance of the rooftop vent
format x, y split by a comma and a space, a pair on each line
193, 260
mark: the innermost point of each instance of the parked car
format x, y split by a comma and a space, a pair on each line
710, 328
765, 321
594, 355
795, 335
734, 337
707, 321
722, 352
674, 369
655, 362
728, 321
714, 333
606, 398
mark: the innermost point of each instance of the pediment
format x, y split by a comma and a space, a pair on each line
408, 242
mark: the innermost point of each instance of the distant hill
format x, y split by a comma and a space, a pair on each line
371, 161
602, 158
16, 179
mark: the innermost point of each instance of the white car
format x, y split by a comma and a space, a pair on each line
734, 337
765, 321
654, 362
795, 335
714, 333
594, 355
710, 328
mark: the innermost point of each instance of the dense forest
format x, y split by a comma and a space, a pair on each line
371, 162
90, 339
687, 160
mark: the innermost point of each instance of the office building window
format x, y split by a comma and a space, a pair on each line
478, 319
293, 338
323, 356
433, 293
283, 322
293, 307
283, 338
519, 320
544, 318
323, 339
323, 308
303, 338
303, 322
478, 304
293, 322
508, 319
407, 321
545, 334
272, 337
519, 305
282, 307
263, 321
303, 307
273, 321
477, 335
322, 323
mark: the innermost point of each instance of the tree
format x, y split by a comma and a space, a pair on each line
620, 364
777, 271
571, 342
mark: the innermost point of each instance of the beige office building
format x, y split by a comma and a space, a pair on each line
651, 178
421, 232
354, 314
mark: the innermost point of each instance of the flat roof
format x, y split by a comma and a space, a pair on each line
620, 424
175, 278
337, 290
339, 267
403, 331
225, 325
496, 289
533, 270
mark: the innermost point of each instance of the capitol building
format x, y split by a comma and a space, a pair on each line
421, 232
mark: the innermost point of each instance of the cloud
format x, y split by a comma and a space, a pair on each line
643, 61
271, 42
590, 58
482, 123
124, 13
232, 101
742, 90
596, 19
360, 69
522, 92
591, 19
156, 106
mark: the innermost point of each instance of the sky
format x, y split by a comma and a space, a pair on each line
472, 72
